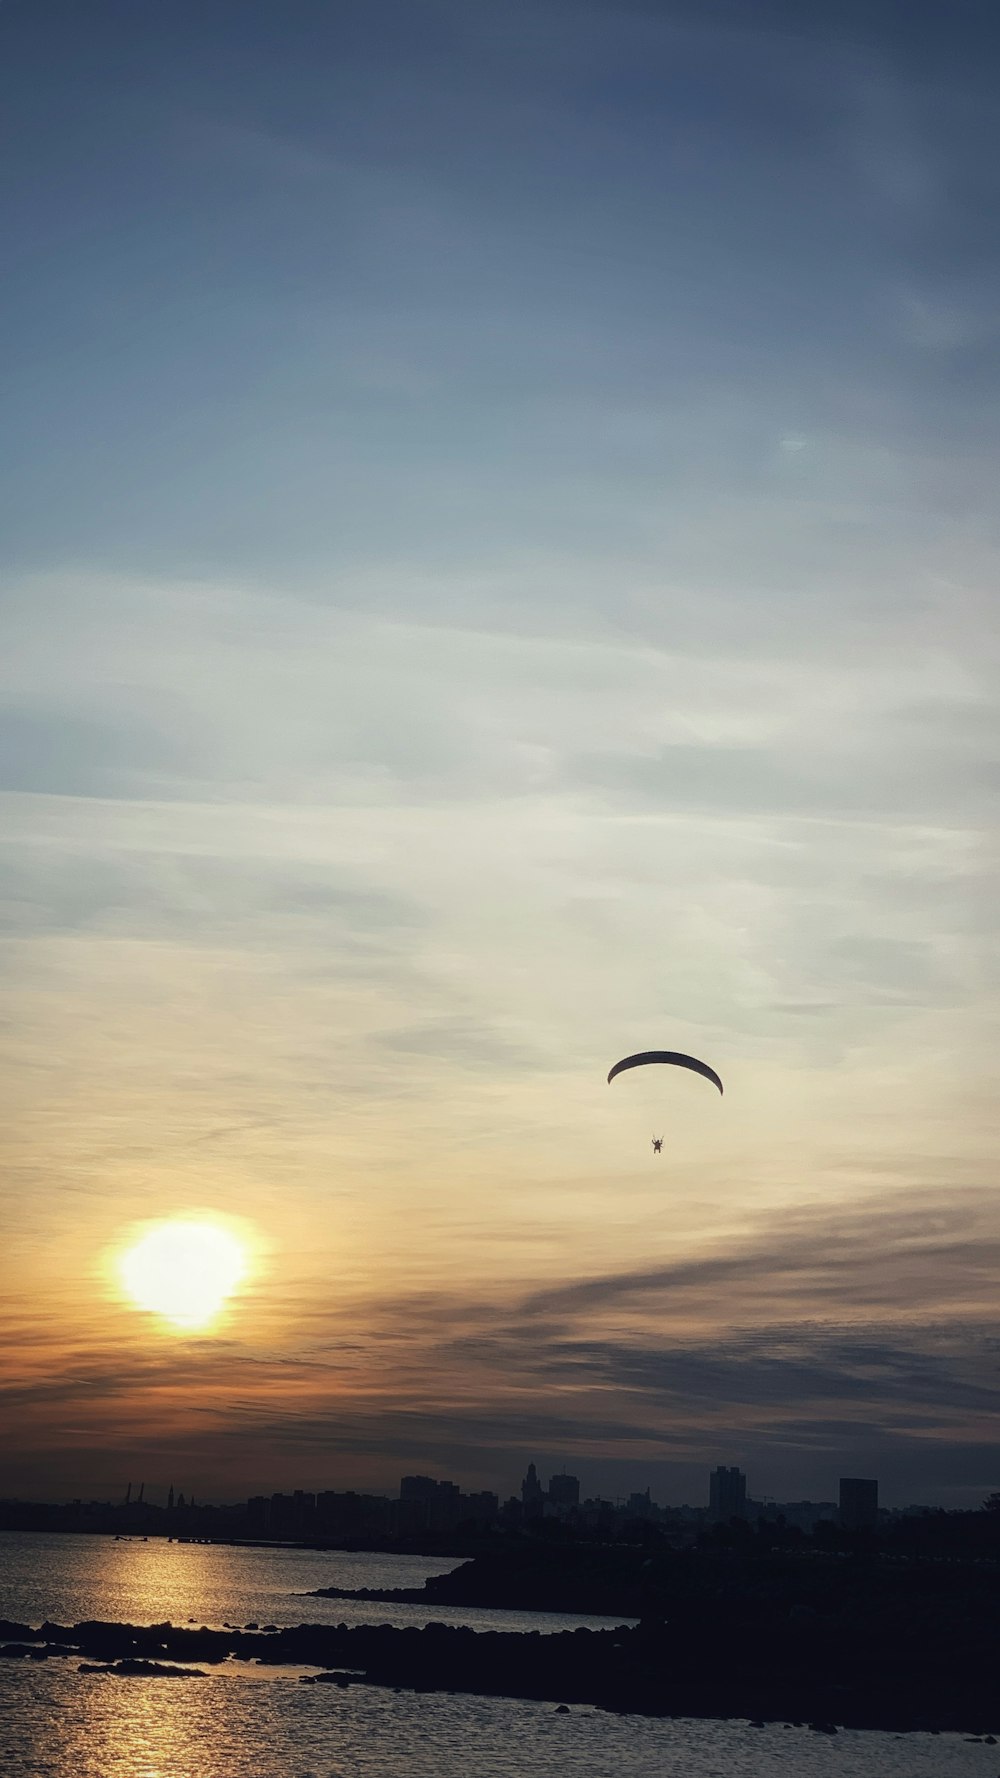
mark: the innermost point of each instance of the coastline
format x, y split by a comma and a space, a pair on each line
650, 1670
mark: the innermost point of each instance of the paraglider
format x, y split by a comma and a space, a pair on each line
677, 1060
673, 1056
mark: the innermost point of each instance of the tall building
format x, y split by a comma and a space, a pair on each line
426, 1504
564, 1490
258, 1514
532, 1494
858, 1503
727, 1494
483, 1507
347, 1514
418, 1487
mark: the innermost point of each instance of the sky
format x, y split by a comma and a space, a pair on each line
499, 571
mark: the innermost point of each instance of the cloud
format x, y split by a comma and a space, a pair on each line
55, 751
782, 1352
390, 854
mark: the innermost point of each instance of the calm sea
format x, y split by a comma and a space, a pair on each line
243, 1722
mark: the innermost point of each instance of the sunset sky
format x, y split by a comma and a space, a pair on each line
500, 570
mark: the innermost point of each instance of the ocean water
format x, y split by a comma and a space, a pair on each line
67, 1579
241, 1722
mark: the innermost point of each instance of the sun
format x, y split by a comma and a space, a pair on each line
184, 1270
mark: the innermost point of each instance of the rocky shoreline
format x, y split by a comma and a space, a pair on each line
862, 1641
654, 1669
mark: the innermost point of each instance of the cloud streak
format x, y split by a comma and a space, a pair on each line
780, 1349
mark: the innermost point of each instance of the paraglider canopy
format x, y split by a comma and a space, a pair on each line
672, 1056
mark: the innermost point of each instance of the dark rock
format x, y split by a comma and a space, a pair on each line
134, 1669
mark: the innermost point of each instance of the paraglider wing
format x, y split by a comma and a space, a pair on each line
673, 1056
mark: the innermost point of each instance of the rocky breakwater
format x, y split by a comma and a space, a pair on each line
586, 1580
872, 1641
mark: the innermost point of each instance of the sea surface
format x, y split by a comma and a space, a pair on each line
247, 1722
68, 1579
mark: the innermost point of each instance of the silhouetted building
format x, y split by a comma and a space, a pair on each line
351, 1515
417, 1487
640, 1506
803, 1515
727, 1494
532, 1494
281, 1516
407, 1516
427, 1505
599, 1514
564, 1490
858, 1503
446, 1508
258, 1515
481, 1508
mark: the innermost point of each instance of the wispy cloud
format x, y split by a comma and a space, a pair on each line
866, 1332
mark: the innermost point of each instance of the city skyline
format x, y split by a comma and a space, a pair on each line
726, 1489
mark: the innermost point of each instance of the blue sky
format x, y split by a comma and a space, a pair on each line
499, 568
286, 285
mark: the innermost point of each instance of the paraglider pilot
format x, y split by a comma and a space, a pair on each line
677, 1060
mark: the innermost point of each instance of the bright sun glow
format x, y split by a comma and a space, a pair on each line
184, 1271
